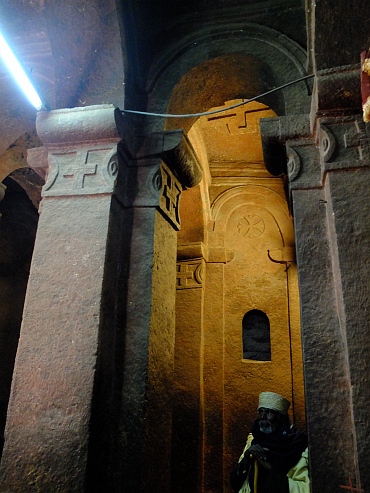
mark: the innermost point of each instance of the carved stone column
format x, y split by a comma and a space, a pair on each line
157, 168
50, 408
328, 175
91, 404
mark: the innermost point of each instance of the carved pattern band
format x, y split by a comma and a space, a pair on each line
82, 171
190, 274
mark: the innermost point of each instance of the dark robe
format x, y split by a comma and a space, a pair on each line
285, 447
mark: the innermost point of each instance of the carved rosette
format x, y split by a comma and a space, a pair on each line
327, 143
190, 274
251, 226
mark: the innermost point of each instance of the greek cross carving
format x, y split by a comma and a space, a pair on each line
80, 170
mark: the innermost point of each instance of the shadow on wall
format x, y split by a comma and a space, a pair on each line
18, 224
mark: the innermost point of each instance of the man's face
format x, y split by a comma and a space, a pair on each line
269, 420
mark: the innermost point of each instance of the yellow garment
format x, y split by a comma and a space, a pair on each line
299, 481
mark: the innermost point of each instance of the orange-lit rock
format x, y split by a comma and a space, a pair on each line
245, 215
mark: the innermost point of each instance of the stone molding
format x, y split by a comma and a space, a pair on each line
191, 251
73, 126
79, 156
171, 146
159, 166
337, 91
336, 143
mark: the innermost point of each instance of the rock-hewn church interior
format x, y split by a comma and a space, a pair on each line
184, 224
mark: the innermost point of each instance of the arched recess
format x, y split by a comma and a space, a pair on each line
275, 59
212, 406
246, 263
253, 223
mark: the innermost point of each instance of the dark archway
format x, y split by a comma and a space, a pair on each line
18, 224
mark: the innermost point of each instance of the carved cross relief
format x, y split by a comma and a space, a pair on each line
241, 120
359, 136
189, 274
81, 171
170, 199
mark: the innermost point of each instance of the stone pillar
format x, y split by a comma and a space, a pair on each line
187, 426
329, 180
47, 432
158, 166
91, 403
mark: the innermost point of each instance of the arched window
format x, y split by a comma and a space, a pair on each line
256, 336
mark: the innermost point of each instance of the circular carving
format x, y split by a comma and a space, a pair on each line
112, 166
251, 226
157, 180
198, 274
327, 143
293, 164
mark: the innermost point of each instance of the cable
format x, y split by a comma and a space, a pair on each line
164, 115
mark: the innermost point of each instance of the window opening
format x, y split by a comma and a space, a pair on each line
256, 336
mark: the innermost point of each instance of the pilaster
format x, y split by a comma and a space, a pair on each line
91, 403
187, 424
328, 176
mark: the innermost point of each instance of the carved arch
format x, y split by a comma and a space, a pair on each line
279, 58
260, 196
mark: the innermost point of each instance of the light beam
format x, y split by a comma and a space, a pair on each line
19, 74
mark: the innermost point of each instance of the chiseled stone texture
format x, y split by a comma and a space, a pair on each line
349, 226
49, 412
156, 457
327, 385
48, 426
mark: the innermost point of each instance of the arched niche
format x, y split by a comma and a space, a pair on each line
256, 336
208, 71
257, 197
240, 62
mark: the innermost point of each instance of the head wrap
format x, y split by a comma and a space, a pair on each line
276, 402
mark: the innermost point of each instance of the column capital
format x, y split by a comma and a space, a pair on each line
171, 146
305, 153
79, 156
159, 166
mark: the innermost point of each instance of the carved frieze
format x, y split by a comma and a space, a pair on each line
81, 171
190, 274
344, 142
79, 156
336, 143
